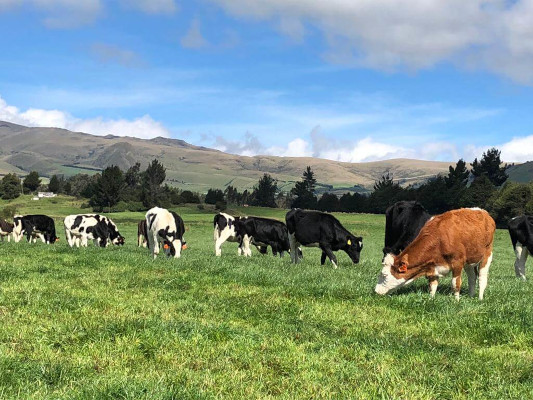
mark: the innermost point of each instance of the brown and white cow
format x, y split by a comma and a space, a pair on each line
447, 242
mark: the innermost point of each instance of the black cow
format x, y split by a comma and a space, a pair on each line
521, 232
318, 229
262, 232
403, 221
6, 229
28, 225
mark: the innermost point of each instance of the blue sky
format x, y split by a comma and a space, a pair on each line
339, 79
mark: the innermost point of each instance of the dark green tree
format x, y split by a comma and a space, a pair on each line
457, 176
213, 196
304, 191
386, 192
479, 192
490, 166
265, 192
328, 202
109, 188
31, 182
512, 200
189, 197
10, 187
54, 184
152, 194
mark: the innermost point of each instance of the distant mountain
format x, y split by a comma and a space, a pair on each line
59, 151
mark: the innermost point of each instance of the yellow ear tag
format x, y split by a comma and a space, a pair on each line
349, 242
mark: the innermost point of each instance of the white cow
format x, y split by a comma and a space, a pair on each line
79, 229
225, 231
167, 228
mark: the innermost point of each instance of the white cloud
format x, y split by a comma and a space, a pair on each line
519, 149
194, 39
152, 6
392, 34
143, 127
109, 53
62, 14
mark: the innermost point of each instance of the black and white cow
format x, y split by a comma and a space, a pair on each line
224, 225
167, 228
6, 229
404, 220
318, 229
31, 225
262, 232
81, 228
521, 232
142, 234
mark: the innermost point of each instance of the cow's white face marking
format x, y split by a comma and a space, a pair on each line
386, 280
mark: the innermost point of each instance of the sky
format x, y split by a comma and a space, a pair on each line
347, 80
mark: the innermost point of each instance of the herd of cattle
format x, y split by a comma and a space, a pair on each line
416, 243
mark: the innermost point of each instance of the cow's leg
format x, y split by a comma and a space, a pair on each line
153, 243
221, 237
456, 282
433, 284
520, 262
484, 275
246, 245
326, 249
472, 277
323, 258
140, 240
177, 248
294, 248
8, 238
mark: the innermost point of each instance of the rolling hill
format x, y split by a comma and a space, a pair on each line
58, 151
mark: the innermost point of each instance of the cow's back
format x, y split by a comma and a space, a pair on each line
467, 230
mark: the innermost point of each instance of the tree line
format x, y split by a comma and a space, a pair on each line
483, 185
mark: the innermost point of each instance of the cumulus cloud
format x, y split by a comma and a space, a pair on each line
143, 127
392, 35
194, 39
108, 53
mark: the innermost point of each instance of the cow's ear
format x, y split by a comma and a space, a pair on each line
404, 263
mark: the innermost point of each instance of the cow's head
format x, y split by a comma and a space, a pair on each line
169, 247
353, 247
394, 273
119, 240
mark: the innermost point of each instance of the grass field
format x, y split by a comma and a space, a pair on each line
113, 324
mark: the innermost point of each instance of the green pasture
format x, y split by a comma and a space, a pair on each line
114, 324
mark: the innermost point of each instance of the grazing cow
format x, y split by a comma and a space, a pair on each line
521, 232
318, 229
404, 220
167, 228
224, 225
31, 225
142, 234
6, 229
448, 242
262, 232
79, 229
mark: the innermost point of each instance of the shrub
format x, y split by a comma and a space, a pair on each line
8, 212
